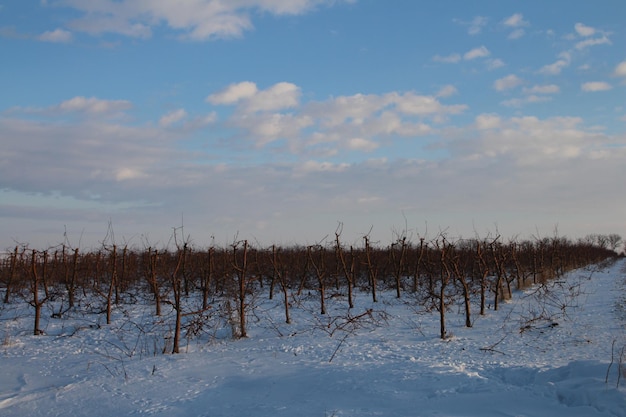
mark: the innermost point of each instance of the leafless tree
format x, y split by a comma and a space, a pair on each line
444, 279
319, 267
151, 263
348, 271
240, 268
37, 280
279, 274
418, 265
177, 289
372, 269
483, 268
457, 260
398, 262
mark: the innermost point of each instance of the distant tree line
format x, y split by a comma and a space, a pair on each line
438, 272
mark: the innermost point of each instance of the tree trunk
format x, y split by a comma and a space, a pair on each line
240, 272
372, 271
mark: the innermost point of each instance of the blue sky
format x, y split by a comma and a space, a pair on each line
277, 119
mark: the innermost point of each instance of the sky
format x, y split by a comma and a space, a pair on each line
277, 121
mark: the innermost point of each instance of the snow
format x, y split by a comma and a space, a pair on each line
541, 354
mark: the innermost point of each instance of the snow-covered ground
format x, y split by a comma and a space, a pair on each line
389, 362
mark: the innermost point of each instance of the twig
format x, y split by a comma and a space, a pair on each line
606, 380
492, 347
619, 366
343, 339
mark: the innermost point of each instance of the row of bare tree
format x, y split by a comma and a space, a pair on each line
437, 272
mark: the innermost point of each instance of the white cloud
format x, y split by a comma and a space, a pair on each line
517, 33
354, 123
338, 110
203, 120
495, 63
519, 102
265, 128
533, 141
542, 89
196, 20
620, 69
316, 166
172, 117
251, 99
594, 86
584, 30
418, 105
555, 68
361, 144
150, 176
487, 121
479, 52
125, 174
57, 36
93, 105
477, 24
233, 93
84, 159
515, 20
279, 96
447, 91
534, 94
506, 83
449, 59
604, 40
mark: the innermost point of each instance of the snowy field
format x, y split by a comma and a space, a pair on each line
542, 354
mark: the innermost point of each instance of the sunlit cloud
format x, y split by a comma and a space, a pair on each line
172, 117
195, 20
56, 36
564, 60
620, 69
448, 59
594, 86
584, 30
507, 83
587, 43
93, 105
480, 52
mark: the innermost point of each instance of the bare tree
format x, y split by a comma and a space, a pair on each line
460, 276
36, 281
112, 282
498, 259
444, 279
348, 271
372, 270
240, 268
151, 262
484, 271
614, 241
208, 269
418, 265
279, 274
398, 262
177, 288
320, 273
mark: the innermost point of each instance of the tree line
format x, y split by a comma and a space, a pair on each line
438, 272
